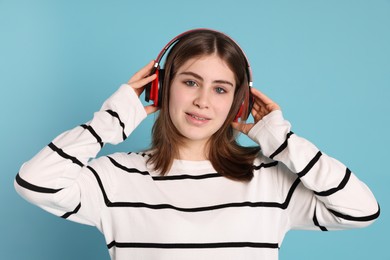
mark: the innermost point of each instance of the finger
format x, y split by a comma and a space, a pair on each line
151, 109
244, 128
262, 100
258, 114
260, 96
143, 81
256, 106
145, 71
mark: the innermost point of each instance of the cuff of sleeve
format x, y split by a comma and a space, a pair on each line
257, 128
270, 132
127, 105
134, 111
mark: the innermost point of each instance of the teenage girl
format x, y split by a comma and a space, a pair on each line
196, 193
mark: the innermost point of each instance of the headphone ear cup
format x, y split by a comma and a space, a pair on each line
251, 102
148, 91
153, 91
239, 113
246, 107
152, 87
161, 75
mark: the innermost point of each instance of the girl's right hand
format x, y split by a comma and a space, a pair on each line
139, 80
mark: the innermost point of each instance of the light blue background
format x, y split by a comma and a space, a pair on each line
327, 63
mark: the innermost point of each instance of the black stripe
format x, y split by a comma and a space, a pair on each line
68, 214
33, 187
124, 168
142, 154
186, 176
106, 200
315, 220
115, 114
164, 178
282, 147
310, 165
340, 187
65, 155
198, 209
145, 154
192, 245
108, 203
352, 218
265, 165
92, 131
283, 205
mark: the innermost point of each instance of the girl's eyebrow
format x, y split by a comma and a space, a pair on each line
197, 76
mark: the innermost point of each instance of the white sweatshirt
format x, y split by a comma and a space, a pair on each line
193, 212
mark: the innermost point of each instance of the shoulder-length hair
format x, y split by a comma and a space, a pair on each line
225, 154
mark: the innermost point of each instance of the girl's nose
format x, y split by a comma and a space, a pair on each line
202, 99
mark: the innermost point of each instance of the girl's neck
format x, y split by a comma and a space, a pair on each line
193, 151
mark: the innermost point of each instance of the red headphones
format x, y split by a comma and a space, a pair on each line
153, 90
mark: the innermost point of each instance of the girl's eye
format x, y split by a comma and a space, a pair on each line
220, 90
190, 83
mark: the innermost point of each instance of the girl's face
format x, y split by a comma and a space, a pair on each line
201, 95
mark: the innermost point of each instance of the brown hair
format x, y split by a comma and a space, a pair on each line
226, 155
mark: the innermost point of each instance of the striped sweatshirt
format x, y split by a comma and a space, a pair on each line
192, 212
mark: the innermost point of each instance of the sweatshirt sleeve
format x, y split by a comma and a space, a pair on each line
59, 178
325, 195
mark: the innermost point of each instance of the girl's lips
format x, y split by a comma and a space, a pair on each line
198, 116
197, 119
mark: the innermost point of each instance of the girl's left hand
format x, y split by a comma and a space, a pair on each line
139, 80
262, 106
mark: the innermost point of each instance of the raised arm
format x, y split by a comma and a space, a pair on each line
59, 177
325, 194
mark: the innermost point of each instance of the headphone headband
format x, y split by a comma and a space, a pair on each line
178, 37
